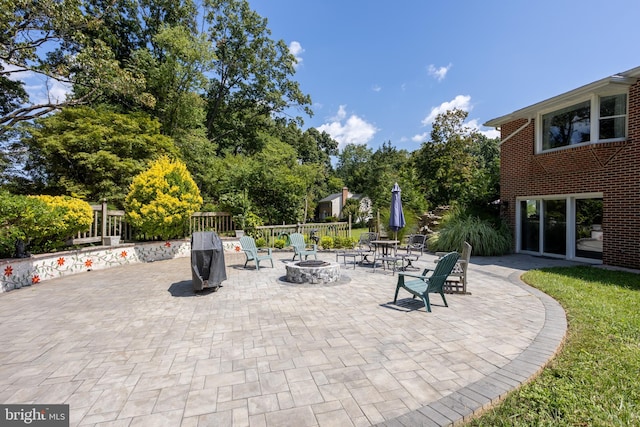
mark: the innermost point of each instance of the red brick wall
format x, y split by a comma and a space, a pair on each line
612, 169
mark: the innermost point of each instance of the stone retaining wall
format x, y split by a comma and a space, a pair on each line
19, 272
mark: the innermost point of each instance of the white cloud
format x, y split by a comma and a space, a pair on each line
439, 73
421, 137
40, 88
461, 102
295, 48
489, 133
351, 130
376, 88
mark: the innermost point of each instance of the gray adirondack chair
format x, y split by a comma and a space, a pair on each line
457, 281
300, 248
423, 285
252, 252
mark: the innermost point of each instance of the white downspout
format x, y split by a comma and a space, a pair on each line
516, 131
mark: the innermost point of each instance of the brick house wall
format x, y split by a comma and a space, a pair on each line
610, 168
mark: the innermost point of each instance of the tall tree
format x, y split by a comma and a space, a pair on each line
354, 166
252, 76
458, 164
93, 154
49, 38
177, 77
389, 165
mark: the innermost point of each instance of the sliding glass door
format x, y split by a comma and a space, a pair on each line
568, 227
589, 234
530, 225
555, 227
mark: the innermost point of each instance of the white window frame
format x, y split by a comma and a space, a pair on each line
594, 99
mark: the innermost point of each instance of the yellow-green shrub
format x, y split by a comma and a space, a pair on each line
70, 216
40, 223
326, 242
162, 199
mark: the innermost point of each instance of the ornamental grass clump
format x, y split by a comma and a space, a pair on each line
485, 238
162, 199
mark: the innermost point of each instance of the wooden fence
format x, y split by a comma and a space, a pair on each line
108, 223
273, 232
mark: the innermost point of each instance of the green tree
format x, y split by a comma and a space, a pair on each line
458, 164
354, 166
389, 165
70, 57
93, 153
276, 186
352, 207
312, 146
177, 76
252, 76
162, 199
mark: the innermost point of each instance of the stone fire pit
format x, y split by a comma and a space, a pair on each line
313, 271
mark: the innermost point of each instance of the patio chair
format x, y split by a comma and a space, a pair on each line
456, 283
416, 244
300, 248
423, 285
252, 252
362, 249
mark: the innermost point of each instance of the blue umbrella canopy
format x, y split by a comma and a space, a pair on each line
396, 216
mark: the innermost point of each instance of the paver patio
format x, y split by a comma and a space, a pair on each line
134, 346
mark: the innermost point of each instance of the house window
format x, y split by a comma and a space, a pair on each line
601, 118
570, 125
613, 117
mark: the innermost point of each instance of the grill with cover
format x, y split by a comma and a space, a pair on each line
207, 260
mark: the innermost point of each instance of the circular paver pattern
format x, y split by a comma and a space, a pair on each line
136, 346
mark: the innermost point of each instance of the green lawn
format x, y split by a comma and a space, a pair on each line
595, 379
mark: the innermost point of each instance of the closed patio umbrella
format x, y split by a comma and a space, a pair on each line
396, 216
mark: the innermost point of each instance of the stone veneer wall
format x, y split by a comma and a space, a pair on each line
19, 272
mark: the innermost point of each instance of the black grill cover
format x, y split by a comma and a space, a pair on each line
207, 260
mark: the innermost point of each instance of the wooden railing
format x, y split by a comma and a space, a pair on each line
220, 222
111, 223
273, 232
106, 223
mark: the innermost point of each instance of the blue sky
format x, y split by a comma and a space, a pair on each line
379, 71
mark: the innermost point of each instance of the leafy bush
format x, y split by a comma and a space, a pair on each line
66, 216
40, 223
72, 215
326, 242
331, 219
279, 243
162, 199
19, 216
343, 242
261, 242
348, 242
482, 235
